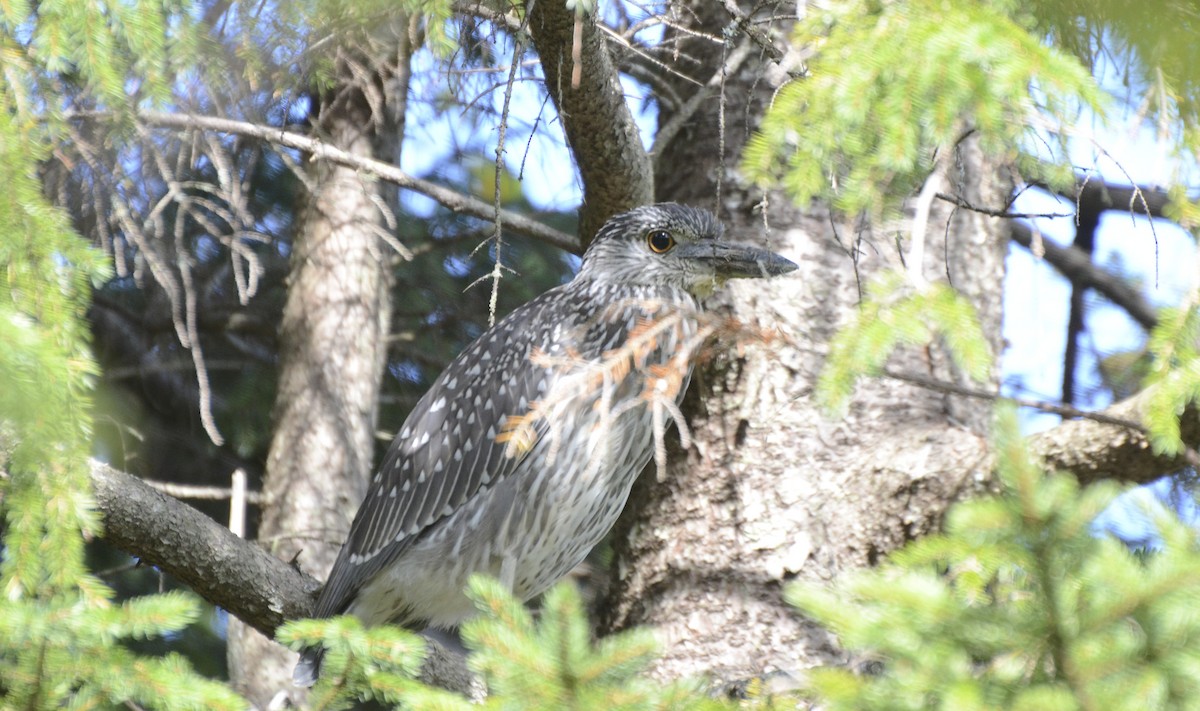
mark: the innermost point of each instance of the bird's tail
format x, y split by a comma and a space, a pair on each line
309, 667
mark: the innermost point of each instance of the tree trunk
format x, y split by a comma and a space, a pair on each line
772, 489
333, 350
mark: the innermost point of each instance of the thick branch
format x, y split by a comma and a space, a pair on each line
1110, 444
1096, 450
1079, 269
229, 572
604, 139
257, 588
450, 199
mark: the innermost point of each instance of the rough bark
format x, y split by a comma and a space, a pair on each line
264, 591
332, 352
257, 588
1097, 450
600, 129
773, 490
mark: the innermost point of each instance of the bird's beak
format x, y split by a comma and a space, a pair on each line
735, 261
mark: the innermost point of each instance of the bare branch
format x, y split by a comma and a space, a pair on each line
204, 493
1076, 266
257, 588
320, 150
680, 118
945, 386
962, 202
1098, 450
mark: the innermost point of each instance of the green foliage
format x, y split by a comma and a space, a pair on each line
364, 25
108, 49
66, 652
59, 629
380, 663
1018, 606
892, 314
890, 83
1155, 46
551, 664
1174, 375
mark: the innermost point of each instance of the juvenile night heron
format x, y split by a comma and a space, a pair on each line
520, 457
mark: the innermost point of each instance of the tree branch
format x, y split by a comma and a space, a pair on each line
315, 147
603, 136
1078, 267
1110, 444
949, 388
1099, 450
230, 572
1130, 198
251, 584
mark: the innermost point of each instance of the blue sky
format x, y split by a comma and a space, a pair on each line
1156, 255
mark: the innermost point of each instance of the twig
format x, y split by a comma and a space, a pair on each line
679, 118
945, 386
963, 203
744, 23
497, 216
450, 199
201, 493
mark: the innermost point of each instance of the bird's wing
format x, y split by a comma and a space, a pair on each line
446, 452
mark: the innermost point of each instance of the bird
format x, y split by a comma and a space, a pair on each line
522, 453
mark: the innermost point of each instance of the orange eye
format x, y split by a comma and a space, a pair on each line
659, 241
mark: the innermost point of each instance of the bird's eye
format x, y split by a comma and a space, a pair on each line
660, 241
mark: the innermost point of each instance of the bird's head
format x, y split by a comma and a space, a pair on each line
668, 244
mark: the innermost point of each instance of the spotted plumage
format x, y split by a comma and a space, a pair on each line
521, 455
